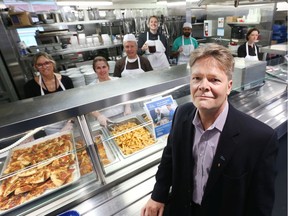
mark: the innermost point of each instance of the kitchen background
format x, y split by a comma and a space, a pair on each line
74, 32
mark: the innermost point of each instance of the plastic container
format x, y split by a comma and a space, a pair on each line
70, 213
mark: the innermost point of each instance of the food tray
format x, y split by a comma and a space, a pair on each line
106, 154
145, 118
132, 136
40, 179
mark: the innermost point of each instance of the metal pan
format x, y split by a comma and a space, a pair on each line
131, 136
46, 173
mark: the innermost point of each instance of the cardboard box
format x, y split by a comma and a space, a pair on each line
231, 19
20, 19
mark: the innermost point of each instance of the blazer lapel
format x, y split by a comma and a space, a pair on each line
225, 150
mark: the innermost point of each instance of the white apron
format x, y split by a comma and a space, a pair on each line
130, 72
185, 54
41, 89
251, 58
56, 127
158, 60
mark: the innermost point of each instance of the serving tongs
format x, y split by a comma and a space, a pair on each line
111, 124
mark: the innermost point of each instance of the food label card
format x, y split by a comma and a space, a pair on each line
161, 111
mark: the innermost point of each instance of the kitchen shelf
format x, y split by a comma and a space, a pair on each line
74, 50
243, 23
62, 23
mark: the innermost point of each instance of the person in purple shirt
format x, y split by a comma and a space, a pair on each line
218, 161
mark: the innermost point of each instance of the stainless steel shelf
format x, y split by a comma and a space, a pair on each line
75, 50
62, 23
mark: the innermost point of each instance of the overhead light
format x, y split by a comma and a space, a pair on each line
170, 4
85, 3
161, 2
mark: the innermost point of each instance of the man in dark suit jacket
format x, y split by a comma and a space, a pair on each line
218, 161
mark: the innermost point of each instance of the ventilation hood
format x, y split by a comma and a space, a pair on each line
236, 3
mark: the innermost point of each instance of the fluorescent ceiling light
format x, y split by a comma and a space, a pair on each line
170, 4
84, 3
161, 2
175, 3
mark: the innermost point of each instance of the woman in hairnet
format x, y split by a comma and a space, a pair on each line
101, 68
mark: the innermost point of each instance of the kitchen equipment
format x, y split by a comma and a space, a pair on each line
210, 28
43, 16
81, 15
20, 18
237, 32
248, 75
91, 14
56, 16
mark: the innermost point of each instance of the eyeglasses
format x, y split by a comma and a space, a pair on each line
46, 64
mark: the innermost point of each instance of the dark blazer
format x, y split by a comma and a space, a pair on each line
241, 179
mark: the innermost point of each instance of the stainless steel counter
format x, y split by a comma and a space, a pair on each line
128, 189
278, 49
27, 114
268, 104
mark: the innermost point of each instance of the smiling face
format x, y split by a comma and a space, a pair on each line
153, 24
45, 66
187, 31
130, 48
209, 86
102, 70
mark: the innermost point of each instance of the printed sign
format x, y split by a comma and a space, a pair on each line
161, 111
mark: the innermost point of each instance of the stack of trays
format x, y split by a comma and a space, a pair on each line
106, 39
77, 79
111, 66
89, 74
90, 77
76, 76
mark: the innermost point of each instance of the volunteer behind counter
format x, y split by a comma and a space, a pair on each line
249, 50
132, 63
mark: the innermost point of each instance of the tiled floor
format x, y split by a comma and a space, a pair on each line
280, 206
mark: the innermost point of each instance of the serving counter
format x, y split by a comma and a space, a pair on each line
277, 49
123, 185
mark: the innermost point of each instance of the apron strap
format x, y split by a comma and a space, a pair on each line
191, 43
40, 83
126, 60
247, 50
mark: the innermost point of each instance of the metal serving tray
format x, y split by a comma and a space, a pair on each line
43, 167
107, 155
126, 141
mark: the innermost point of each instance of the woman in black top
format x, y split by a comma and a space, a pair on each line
48, 81
249, 50
157, 56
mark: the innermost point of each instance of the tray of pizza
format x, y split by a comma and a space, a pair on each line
30, 174
107, 156
131, 135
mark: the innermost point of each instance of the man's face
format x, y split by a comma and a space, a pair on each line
209, 86
187, 31
130, 48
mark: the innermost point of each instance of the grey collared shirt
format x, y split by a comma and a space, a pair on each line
204, 149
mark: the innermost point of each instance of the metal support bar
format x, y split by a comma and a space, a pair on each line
91, 148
